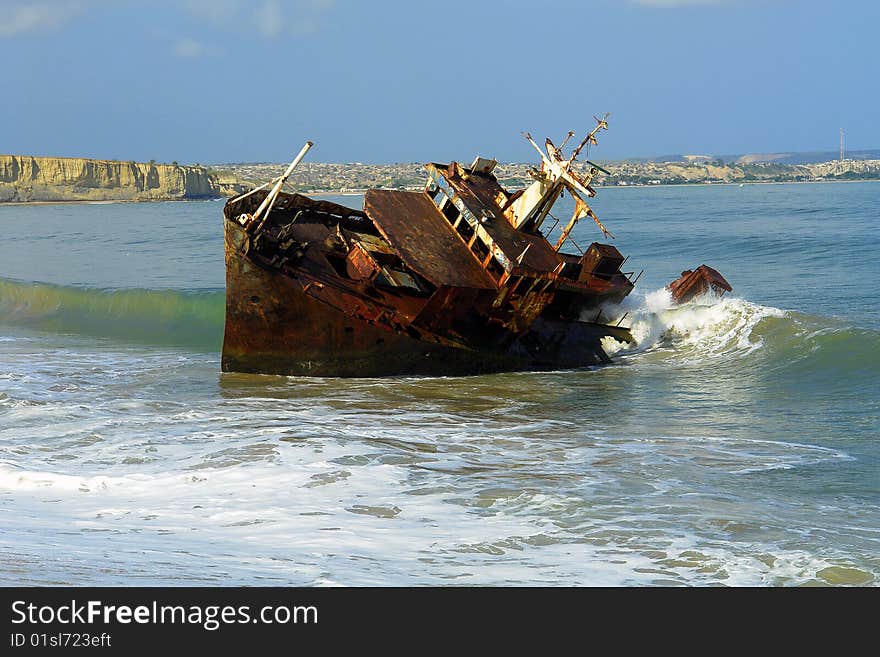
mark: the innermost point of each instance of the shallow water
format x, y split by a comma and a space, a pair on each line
737, 443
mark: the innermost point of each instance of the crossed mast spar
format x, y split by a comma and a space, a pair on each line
557, 175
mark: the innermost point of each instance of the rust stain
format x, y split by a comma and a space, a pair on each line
409, 222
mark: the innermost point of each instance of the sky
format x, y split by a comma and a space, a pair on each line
214, 81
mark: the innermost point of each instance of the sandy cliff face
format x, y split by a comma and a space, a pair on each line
25, 178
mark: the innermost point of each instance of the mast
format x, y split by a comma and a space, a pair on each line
269, 201
555, 177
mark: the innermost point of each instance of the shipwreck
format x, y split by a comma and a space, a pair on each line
462, 277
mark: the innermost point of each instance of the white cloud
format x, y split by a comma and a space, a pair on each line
191, 48
27, 17
269, 19
218, 11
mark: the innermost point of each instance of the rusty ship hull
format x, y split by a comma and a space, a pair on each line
458, 278
275, 326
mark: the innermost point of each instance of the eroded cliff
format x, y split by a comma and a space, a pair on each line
25, 178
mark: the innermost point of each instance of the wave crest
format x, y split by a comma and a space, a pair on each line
705, 327
172, 317
708, 329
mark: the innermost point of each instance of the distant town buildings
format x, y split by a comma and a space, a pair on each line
313, 177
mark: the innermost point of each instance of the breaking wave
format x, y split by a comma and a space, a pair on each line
708, 329
703, 330
168, 317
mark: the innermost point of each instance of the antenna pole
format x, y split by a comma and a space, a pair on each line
270, 198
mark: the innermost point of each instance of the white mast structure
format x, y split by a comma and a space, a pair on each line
554, 177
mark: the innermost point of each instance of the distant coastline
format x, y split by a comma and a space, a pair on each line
330, 192
110, 202
37, 180
329, 178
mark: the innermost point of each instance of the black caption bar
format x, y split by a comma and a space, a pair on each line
123, 619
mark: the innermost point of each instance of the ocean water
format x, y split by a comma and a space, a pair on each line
736, 443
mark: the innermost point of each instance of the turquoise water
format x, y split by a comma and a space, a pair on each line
737, 443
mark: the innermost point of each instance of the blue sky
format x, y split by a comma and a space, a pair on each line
229, 80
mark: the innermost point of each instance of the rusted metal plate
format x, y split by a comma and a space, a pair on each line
423, 239
699, 281
602, 260
360, 265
